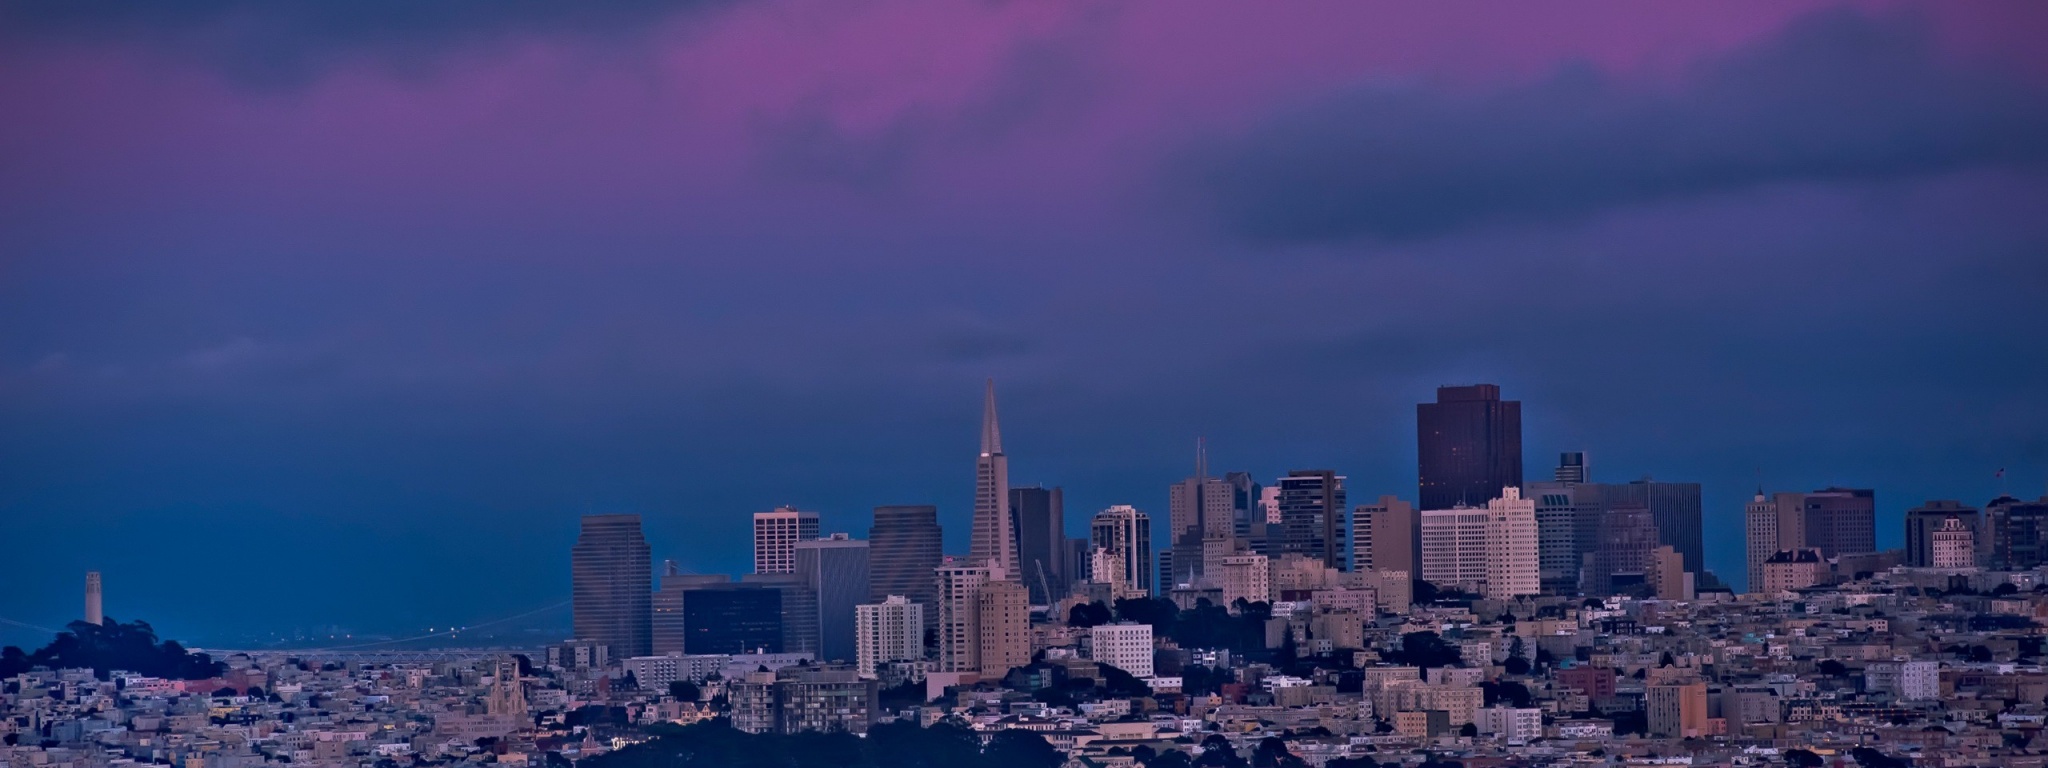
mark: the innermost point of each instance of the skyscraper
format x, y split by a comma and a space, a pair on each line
1760, 536
2016, 533
1628, 545
1383, 537
611, 585
1125, 534
1198, 508
836, 570
904, 545
775, 536
1511, 557
1567, 527
1041, 541
993, 541
93, 612
1312, 515
959, 619
1921, 523
1244, 503
1673, 507
762, 612
1454, 544
1840, 521
1469, 446
1571, 467
1003, 621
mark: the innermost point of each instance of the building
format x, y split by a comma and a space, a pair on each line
1511, 570
760, 613
1469, 446
1125, 533
1003, 622
1571, 468
93, 611
1198, 509
1953, 545
1454, 545
1907, 680
959, 620
1567, 527
611, 584
775, 536
1676, 711
904, 545
669, 631
1923, 520
891, 630
1836, 521
1510, 724
1245, 510
1311, 504
1792, 569
1622, 562
1124, 645
1041, 541
2016, 533
1080, 559
1245, 577
1760, 520
804, 699
993, 539
836, 570
1675, 510
1384, 537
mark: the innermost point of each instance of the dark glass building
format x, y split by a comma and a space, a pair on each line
1922, 521
2017, 532
903, 549
1312, 516
1469, 446
1041, 541
734, 619
1675, 507
611, 585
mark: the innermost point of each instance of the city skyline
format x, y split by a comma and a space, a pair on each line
394, 298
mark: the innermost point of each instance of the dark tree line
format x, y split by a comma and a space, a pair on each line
715, 744
110, 646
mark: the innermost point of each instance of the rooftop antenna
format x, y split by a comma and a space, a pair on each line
1201, 458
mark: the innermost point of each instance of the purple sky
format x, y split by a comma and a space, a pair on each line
347, 311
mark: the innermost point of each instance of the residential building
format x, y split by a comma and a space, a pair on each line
891, 630
1677, 711
1003, 622
1953, 545
1793, 569
1454, 546
1245, 577
1124, 645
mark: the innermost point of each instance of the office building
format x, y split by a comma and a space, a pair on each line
1571, 468
1921, 523
2016, 533
993, 539
1245, 510
891, 630
1198, 509
668, 630
1041, 541
1125, 534
760, 613
1384, 537
611, 584
1839, 521
1469, 446
1567, 528
1080, 557
1311, 506
1761, 537
94, 614
836, 570
1511, 557
1124, 645
1667, 579
1454, 545
775, 536
1675, 510
1621, 564
904, 545
1677, 711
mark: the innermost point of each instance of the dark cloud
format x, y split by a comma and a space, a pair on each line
287, 42
1837, 97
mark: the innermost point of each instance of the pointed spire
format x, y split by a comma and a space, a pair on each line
1201, 458
991, 435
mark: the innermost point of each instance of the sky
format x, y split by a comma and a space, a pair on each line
319, 314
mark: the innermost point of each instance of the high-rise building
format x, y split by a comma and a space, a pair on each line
775, 536
1571, 468
93, 612
836, 570
1628, 544
1567, 527
1840, 521
1124, 645
1953, 545
1126, 535
1041, 541
1454, 548
760, 613
669, 631
2016, 533
1198, 509
1311, 503
1667, 578
993, 540
1080, 557
611, 583
1673, 507
891, 630
1922, 521
1004, 624
1245, 511
1245, 577
1761, 538
1511, 557
959, 619
1791, 569
1383, 536
1469, 446
904, 545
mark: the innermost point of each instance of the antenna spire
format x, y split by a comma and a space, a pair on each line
991, 435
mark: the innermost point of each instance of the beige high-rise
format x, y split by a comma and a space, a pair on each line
1004, 625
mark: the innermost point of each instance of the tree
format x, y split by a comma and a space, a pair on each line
1088, 615
684, 690
112, 645
1172, 758
1426, 650
1868, 757
1018, 748
1469, 731
1803, 758
1516, 665
1832, 668
1353, 762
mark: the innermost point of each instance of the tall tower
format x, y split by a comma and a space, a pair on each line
903, 547
1383, 537
775, 536
1312, 516
1124, 535
1041, 541
612, 583
1761, 537
1469, 446
1198, 509
1511, 555
93, 615
836, 569
994, 540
